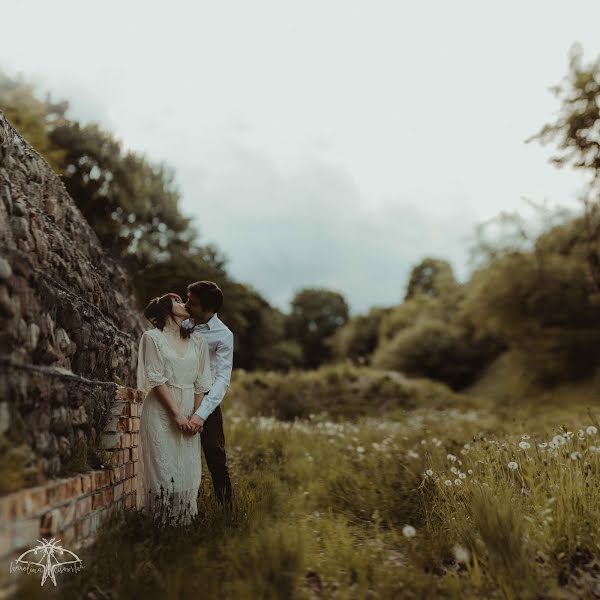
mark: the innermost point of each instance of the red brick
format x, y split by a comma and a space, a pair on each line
118, 491
25, 532
67, 513
84, 507
108, 496
97, 500
86, 484
6, 535
125, 393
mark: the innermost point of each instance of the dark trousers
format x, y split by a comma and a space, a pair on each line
213, 446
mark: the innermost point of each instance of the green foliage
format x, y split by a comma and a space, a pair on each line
316, 314
13, 460
541, 304
341, 390
575, 132
33, 118
358, 339
132, 204
430, 335
431, 277
438, 350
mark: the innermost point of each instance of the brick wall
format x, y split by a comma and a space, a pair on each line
73, 508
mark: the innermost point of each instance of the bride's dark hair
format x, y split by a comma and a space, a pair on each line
158, 310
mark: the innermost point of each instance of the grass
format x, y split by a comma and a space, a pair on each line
321, 506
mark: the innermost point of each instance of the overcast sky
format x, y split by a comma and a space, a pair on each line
321, 143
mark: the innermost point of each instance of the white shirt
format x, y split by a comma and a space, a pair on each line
220, 345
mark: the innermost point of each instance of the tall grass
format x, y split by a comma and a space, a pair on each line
430, 504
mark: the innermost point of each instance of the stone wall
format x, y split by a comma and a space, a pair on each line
73, 508
69, 327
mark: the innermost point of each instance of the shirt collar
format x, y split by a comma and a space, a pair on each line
212, 322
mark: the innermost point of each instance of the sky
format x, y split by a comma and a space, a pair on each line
330, 143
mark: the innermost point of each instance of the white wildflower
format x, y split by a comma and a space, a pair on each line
448, 482
512, 465
524, 437
524, 445
575, 455
457, 482
462, 475
451, 457
591, 430
409, 531
429, 472
461, 554
454, 470
360, 449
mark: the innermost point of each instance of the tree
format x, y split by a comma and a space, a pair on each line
131, 202
576, 132
33, 118
316, 314
432, 277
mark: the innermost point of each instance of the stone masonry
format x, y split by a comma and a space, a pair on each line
69, 332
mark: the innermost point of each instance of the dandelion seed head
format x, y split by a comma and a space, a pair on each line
575, 455
409, 531
448, 482
512, 465
457, 482
524, 445
591, 430
451, 457
461, 554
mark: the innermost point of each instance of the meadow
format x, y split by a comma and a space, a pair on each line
419, 493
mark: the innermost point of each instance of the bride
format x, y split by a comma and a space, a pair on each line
174, 369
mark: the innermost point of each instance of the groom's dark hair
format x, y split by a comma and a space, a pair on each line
209, 294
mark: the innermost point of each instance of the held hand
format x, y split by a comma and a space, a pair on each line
182, 422
196, 423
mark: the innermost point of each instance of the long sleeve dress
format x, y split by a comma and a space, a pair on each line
166, 452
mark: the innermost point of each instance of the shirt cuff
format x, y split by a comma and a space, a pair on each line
203, 412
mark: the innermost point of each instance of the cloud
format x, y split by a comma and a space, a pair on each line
311, 226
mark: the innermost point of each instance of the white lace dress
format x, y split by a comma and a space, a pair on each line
167, 455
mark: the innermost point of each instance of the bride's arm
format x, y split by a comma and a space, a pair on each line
151, 376
162, 391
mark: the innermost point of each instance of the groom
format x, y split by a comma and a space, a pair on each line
204, 299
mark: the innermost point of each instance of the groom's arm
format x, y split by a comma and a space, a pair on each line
224, 365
